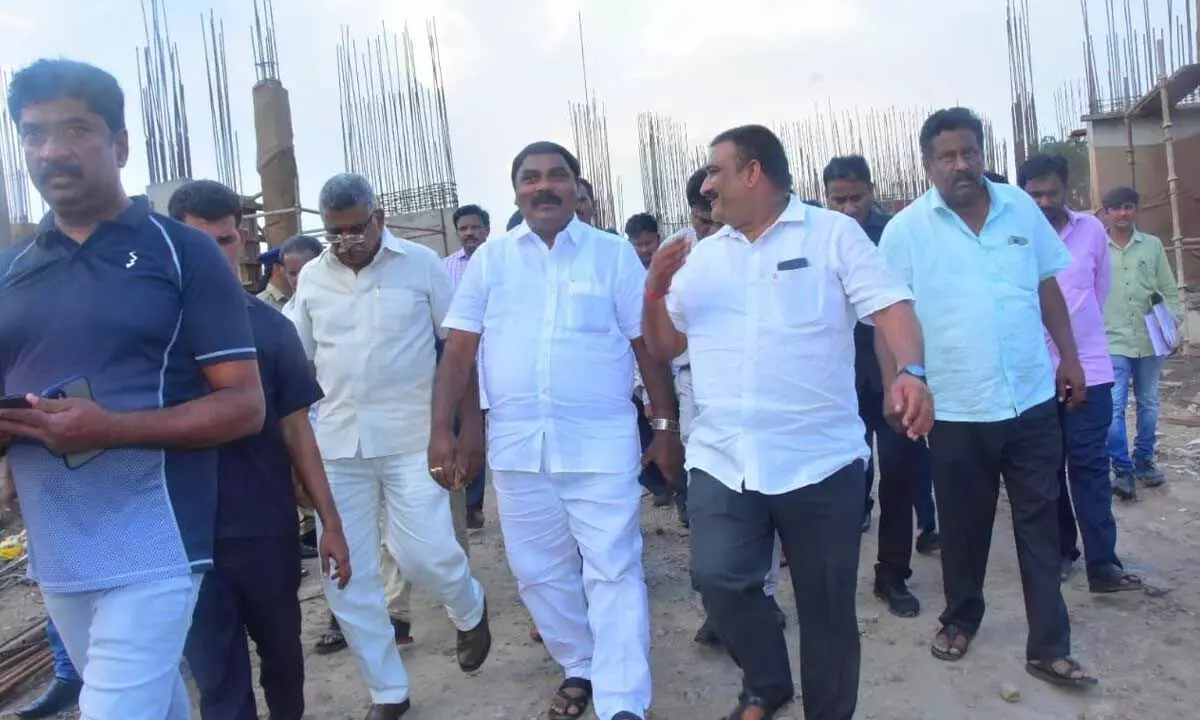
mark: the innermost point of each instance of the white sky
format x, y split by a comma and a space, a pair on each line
511, 67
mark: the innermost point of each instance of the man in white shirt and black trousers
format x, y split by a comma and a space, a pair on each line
558, 305
766, 309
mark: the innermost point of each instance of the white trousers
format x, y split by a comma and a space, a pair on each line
420, 535
574, 544
127, 644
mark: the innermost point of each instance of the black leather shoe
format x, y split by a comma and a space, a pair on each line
901, 602
61, 695
929, 542
1123, 485
475, 644
388, 712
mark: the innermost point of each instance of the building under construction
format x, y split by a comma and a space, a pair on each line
396, 132
1143, 124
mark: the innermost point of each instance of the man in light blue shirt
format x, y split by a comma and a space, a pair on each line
980, 259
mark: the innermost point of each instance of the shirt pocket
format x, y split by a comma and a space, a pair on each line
796, 296
589, 307
1016, 264
395, 308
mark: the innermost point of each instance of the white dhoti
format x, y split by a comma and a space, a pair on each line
574, 544
420, 535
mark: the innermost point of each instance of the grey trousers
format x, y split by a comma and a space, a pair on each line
820, 527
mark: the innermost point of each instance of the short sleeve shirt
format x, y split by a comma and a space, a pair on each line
977, 299
139, 310
255, 493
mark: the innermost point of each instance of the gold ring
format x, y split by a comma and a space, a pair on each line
435, 471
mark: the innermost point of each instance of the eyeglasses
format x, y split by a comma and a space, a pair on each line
346, 239
349, 236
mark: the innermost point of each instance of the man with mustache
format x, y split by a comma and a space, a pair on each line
368, 313
981, 260
138, 321
1140, 272
563, 443
766, 310
904, 481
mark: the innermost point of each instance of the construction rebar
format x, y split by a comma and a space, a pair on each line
1026, 133
14, 178
395, 127
225, 138
164, 103
1132, 65
589, 129
887, 137
667, 160
262, 33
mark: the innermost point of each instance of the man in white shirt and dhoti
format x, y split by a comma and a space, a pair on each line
559, 303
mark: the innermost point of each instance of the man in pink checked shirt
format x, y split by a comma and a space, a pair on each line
1085, 285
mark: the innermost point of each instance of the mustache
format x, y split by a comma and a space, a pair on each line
547, 198
960, 177
60, 169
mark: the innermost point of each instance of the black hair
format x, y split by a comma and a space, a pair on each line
587, 185
852, 168
755, 142
1040, 166
955, 118
695, 198
545, 147
640, 223
1119, 196
49, 80
206, 199
306, 244
996, 177
514, 221
466, 210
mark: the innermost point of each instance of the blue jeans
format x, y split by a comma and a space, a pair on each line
63, 668
1145, 374
1085, 468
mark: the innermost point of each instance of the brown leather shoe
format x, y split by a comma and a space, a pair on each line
388, 712
475, 644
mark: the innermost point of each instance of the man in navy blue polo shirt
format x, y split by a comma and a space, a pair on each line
256, 560
118, 492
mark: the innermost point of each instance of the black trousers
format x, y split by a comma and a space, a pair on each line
901, 464
732, 538
250, 591
968, 460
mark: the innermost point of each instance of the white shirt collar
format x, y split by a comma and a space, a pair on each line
795, 212
575, 231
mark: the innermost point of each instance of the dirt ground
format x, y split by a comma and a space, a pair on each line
1145, 649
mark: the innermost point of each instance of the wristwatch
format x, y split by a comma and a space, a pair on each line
664, 424
917, 371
